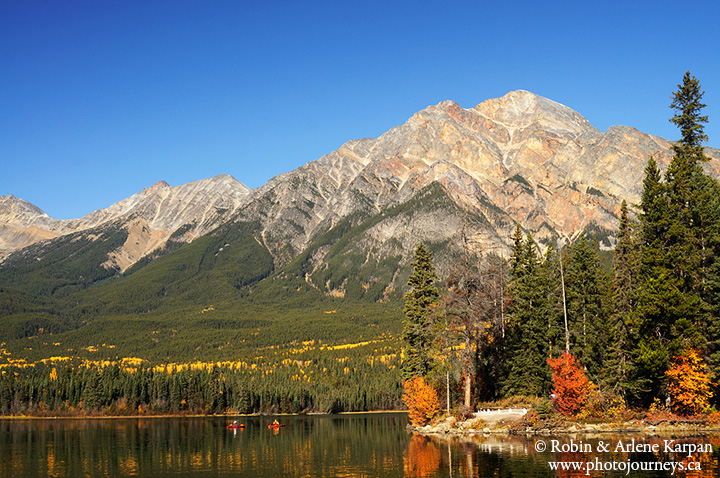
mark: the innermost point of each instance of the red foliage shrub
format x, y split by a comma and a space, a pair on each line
570, 385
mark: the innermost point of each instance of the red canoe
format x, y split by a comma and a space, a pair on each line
230, 427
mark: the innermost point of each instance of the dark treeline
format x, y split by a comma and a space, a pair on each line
328, 385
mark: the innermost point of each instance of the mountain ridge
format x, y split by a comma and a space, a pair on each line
158, 210
518, 158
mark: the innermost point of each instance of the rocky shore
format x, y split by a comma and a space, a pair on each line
515, 423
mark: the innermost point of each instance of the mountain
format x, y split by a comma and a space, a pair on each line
22, 224
190, 264
520, 158
150, 217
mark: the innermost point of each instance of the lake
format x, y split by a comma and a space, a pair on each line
363, 445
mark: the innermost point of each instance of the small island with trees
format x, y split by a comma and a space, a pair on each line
572, 341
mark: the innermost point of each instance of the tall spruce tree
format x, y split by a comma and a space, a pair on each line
688, 107
653, 216
688, 220
664, 309
420, 300
526, 370
551, 283
620, 367
678, 224
703, 210
586, 306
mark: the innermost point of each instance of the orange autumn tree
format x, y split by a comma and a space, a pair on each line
689, 384
570, 385
421, 399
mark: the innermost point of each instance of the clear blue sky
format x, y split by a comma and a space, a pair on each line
100, 99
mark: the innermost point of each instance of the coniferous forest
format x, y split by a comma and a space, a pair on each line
638, 326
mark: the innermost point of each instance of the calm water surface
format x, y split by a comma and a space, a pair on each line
373, 445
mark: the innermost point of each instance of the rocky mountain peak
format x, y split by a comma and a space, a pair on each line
225, 180
158, 185
14, 208
23, 223
522, 109
518, 158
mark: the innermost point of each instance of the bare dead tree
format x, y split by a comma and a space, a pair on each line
474, 306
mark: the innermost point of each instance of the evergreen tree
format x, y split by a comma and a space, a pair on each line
420, 301
625, 263
653, 216
527, 372
678, 224
662, 302
516, 259
586, 308
90, 393
687, 105
550, 281
688, 219
702, 208
623, 327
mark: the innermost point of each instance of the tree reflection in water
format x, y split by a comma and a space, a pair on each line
317, 446
422, 458
483, 456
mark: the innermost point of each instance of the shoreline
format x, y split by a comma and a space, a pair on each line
476, 427
224, 415
648, 431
